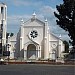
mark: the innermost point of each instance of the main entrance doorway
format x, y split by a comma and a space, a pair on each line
31, 51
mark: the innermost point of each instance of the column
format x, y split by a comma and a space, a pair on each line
60, 47
3, 13
21, 35
25, 54
4, 36
4, 22
36, 54
0, 15
46, 51
40, 51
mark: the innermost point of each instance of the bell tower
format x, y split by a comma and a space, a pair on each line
3, 26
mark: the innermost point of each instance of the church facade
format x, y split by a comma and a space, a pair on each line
34, 41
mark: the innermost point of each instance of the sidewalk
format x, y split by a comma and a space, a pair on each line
39, 62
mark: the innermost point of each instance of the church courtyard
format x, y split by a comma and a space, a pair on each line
34, 69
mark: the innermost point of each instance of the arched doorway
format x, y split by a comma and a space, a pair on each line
31, 51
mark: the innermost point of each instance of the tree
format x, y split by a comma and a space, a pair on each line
66, 46
7, 34
11, 34
66, 18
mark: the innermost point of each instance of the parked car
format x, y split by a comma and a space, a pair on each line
2, 62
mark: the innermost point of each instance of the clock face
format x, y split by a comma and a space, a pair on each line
33, 34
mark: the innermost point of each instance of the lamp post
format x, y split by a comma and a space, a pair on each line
8, 46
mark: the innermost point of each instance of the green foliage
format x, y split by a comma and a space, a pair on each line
7, 34
66, 46
66, 18
11, 34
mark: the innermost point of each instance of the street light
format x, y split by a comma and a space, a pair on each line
8, 53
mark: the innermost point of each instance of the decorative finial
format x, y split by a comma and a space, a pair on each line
60, 36
9, 35
48, 28
46, 20
22, 21
34, 15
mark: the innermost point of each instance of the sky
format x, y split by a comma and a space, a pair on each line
18, 9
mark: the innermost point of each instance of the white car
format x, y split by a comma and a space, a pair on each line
2, 61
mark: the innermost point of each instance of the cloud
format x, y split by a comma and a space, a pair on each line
26, 3
47, 9
48, 12
43, 13
14, 19
13, 22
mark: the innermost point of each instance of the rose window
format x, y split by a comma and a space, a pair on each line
33, 34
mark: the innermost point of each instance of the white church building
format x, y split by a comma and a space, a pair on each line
34, 41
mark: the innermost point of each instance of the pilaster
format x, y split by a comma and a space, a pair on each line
60, 46
21, 37
25, 54
46, 51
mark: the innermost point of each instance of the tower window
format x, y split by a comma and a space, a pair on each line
1, 26
0, 35
1, 9
0, 48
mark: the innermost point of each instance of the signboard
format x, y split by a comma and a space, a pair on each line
6, 53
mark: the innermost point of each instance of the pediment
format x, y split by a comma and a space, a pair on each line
34, 22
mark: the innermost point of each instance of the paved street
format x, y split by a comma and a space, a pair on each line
30, 69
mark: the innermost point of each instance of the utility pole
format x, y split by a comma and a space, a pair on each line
8, 46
